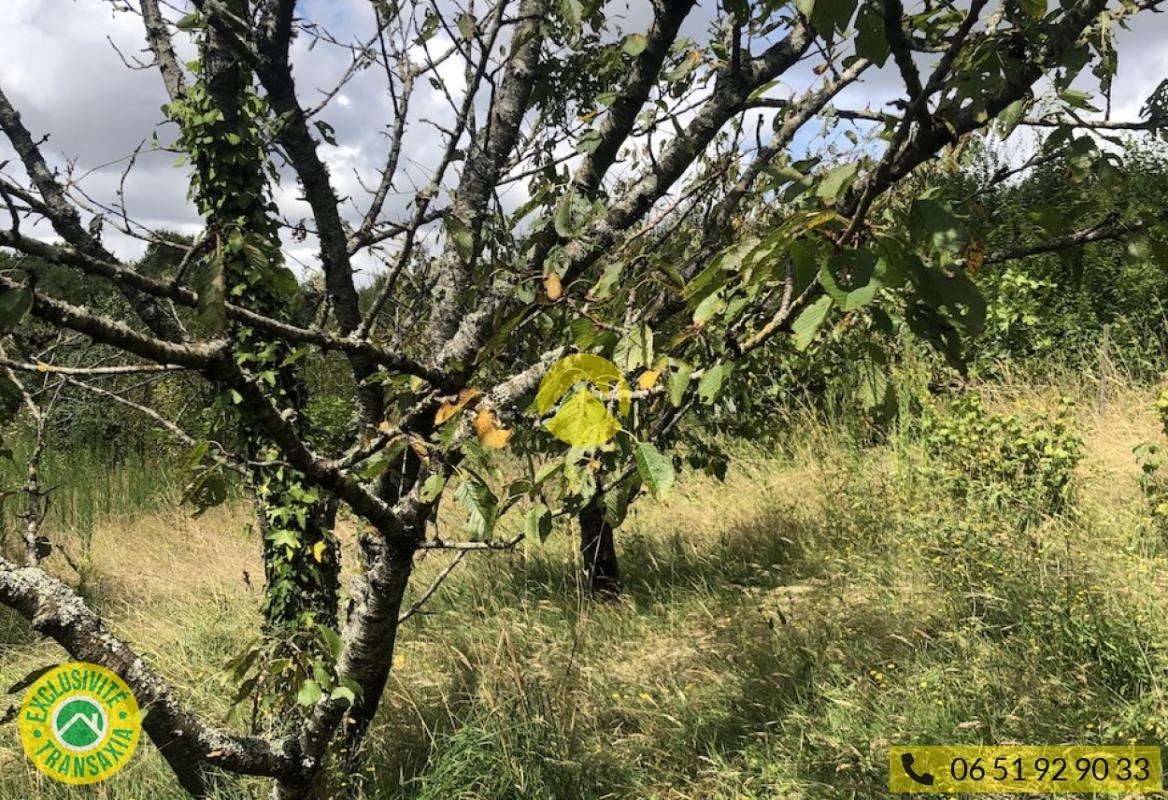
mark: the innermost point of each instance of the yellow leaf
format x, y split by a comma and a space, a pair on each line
385, 426
594, 465
553, 287
487, 428
318, 550
449, 409
648, 379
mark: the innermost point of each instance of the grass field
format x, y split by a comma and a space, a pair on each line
777, 633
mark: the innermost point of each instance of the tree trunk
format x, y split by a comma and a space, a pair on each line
371, 634
597, 546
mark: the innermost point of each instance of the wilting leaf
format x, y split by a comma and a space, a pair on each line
489, 431
552, 286
449, 409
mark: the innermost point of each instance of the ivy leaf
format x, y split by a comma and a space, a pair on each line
807, 324
211, 291
655, 469
14, 307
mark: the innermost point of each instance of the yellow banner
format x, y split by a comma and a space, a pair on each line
1008, 768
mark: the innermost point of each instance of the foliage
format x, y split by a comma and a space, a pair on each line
1153, 477
1025, 467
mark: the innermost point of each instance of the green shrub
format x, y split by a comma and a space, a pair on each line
1024, 466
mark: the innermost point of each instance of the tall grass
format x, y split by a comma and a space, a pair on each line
777, 633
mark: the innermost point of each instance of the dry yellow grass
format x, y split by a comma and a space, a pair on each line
738, 664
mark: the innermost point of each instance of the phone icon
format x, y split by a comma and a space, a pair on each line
906, 761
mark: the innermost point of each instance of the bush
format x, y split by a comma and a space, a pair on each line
1023, 466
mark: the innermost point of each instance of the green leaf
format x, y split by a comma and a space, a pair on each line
655, 469
481, 505
807, 324
14, 307
1035, 8
344, 693
331, 640
211, 290
537, 524
615, 502
327, 132
207, 490
710, 386
1013, 115
706, 309
634, 44
850, 278
466, 25
678, 383
836, 181
874, 386
432, 488
870, 40
460, 236
935, 226
189, 22
634, 350
739, 8
309, 693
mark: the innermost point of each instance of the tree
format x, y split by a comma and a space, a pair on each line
661, 230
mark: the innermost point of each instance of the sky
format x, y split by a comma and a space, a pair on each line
61, 65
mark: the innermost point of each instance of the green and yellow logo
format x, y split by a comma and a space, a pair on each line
79, 723
584, 419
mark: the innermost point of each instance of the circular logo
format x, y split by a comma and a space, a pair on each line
584, 419
79, 723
